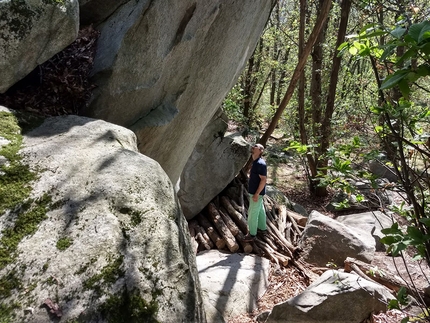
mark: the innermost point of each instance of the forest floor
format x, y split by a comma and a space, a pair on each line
289, 177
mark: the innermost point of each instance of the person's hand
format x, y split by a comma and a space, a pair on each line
255, 197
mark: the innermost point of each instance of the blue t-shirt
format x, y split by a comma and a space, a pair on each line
258, 168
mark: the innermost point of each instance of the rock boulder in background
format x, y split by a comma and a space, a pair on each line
31, 32
216, 160
163, 68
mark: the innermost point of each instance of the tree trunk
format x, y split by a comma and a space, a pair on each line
322, 17
334, 76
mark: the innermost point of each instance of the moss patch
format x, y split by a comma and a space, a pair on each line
64, 243
15, 176
130, 308
25, 214
7, 313
108, 275
29, 216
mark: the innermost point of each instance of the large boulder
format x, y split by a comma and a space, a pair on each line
231, 283
216, 160
102, 237
325, 240
31, 32
163, 68
368, 225
334, 297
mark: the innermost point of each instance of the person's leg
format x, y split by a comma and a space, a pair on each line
261, 215
253, 212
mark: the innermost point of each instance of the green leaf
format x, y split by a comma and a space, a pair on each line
405, 320
420, 32
426, 221
423, 70
343, 45
425, 48
375, 33
389, 50
394, 79
393, 304
412, 52
393, 229
404, 88
398, 32
415, 234
353, 50
379, 129
397, 248
388, 240
368, 27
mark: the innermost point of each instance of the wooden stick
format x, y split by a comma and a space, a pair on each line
194, 245
388, 281
288, 245
222, 228
211, 231
282, 218
266, 249
236, 216
192, 227
298, 218
202, 241
236, 206
205, 237
246, 246
228, 221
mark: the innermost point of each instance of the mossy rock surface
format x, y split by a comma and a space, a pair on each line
111, 232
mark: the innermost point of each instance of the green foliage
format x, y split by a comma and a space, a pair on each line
64, 243
29, 216
15, 177
232, 104
130, 308
400, 300
7, 313
108, 275
412, 65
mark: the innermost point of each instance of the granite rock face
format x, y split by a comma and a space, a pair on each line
111, 239
31, 32
217, 158
334, 297
163, 68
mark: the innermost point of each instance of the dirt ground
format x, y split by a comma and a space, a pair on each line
285, 283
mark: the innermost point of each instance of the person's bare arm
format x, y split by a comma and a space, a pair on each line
263, 180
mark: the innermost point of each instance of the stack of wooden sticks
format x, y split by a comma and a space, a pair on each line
223, 225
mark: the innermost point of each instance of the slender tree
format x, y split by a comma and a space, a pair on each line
322, 17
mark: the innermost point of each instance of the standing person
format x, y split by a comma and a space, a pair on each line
256, 190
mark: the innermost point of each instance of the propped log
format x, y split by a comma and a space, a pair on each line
237, 207
205, 236
228, 221
389, 281
298, 218
246, 246
273, 254
287, 245
192, 227
198, 233
236, 216
222, 228
241, 201
203, 245
281, 220
211, 231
